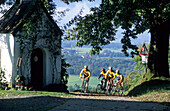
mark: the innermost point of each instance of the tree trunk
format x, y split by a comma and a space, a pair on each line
158, 56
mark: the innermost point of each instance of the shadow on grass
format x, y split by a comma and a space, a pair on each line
149, 86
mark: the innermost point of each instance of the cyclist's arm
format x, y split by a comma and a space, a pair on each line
88, 75
121, 78
107, 73
99, 76
114, 76
81, 73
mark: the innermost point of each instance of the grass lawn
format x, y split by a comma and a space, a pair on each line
10, 93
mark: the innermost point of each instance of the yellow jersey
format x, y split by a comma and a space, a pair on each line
86, 73
120, 76
110, 74
104, 75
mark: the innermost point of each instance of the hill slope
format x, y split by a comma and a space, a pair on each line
155, 90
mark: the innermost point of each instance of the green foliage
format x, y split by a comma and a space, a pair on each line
96, 64
2, 76
50, 6
78, 57
71, 1
3, 81
133, 16
64, 75
136, 76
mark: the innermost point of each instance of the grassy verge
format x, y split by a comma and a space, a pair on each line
154, 90
11, 93
159, 97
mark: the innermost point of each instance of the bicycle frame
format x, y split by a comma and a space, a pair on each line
109, 87
83, 87
100, 87
116, 89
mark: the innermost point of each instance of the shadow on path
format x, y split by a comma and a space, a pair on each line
81, 102
36, 103
114, 103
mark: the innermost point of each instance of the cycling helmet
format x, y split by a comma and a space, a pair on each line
117, 71
103, 69
86, 67
110, 68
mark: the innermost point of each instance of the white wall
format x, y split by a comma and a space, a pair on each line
7, 54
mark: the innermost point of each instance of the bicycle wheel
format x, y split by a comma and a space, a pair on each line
107, 89
83, 87
99, 88
113, 90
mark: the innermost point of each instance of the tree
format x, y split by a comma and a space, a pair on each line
49, 4
134, 17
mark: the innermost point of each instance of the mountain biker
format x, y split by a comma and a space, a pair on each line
110, 75
104, 79
120, 79
86, 75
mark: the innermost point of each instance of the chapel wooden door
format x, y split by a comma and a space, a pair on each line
37, 69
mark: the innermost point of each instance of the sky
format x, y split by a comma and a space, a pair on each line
74, 9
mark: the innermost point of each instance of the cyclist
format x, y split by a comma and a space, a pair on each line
120, 79
110, 75
85, 76
104, 79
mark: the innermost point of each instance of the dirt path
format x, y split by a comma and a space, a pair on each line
80, 102
94, 102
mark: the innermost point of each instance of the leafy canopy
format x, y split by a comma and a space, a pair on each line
133, 16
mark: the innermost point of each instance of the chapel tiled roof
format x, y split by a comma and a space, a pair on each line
11, 21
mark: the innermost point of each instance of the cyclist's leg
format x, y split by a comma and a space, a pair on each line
83, 80
117, 85
121, 86
111, 80
108, 80
108, 84
105, 82
102, 83
87, 83
82, 84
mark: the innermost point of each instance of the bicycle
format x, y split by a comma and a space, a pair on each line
117, 89
83, 86
100, 87
109, 88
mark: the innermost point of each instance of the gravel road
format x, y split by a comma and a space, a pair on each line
80, 102
108, 103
